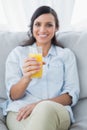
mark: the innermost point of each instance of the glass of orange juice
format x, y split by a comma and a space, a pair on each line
36, 52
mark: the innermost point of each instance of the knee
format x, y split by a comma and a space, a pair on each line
45, 107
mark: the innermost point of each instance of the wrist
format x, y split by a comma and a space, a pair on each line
26, 80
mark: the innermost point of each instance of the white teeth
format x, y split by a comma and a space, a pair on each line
42, 35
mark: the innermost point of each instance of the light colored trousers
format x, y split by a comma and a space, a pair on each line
47, 115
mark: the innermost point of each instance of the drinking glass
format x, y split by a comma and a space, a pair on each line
36, 52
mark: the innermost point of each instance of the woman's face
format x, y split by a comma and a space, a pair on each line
44, 28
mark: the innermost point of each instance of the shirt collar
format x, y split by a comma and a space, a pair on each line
52, 50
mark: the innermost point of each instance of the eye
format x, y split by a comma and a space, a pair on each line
49, 25
37, 24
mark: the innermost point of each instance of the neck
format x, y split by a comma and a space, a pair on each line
45, 48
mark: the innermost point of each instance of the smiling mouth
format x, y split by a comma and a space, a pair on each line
42, 35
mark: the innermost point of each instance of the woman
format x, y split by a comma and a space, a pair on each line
41, 103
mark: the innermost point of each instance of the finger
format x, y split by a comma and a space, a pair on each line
27, 113
31, 68
20, 115
31, 63
30, 73
33, 72
29, 109
29, 59
43, 63
23, 113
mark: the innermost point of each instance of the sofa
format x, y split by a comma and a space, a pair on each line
77, 42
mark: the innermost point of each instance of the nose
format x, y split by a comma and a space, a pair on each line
42, 29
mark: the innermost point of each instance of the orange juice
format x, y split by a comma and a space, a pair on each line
39, 59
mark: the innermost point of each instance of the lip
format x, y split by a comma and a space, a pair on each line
42, 35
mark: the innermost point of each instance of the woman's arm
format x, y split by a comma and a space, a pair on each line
18, 89
30, 67
64, 99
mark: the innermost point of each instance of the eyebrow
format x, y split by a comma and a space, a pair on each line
45, 22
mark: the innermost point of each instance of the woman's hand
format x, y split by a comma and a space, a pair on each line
25, 111
31, 66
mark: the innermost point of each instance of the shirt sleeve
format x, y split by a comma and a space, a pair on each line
13, 71
71, 80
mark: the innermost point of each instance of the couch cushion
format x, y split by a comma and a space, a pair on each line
8, 40
2, 125
77, 42
80, 114
68, 39
2, 119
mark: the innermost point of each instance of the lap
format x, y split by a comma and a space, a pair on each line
47, 114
